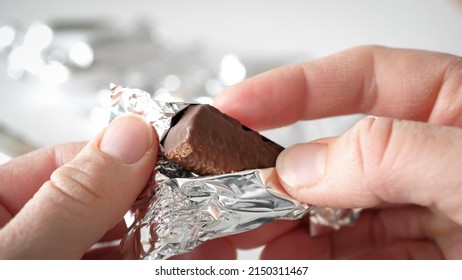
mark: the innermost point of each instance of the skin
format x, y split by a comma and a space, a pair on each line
58, 202
402, 166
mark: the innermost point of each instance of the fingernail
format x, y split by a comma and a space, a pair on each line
127, 139
302, 164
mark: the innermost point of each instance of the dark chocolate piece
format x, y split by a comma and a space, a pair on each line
208, 142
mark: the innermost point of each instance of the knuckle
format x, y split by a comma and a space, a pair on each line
378, 136
368, 48
76, 184
449, 93
373, 150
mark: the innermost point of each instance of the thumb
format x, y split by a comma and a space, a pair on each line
378, 160
85, 197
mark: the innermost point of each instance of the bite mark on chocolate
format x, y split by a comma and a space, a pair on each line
209, 142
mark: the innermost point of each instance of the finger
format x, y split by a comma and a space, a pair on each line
21, 177
108, 252
85, 197
397, 83
404, 250
266, 233
108, 247
379, 160
262, 235
116, 233
374, 230
5, 215
216, 249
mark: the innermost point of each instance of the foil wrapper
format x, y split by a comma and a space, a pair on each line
180, 210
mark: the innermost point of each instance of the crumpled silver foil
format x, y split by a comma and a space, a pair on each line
179, 210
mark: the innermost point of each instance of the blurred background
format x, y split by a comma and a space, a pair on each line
57, 58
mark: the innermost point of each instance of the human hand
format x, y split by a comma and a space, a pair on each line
403, 166
56, 203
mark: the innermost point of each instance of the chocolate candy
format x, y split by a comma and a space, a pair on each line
208, 142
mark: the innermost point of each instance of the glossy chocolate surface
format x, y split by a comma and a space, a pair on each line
208, 142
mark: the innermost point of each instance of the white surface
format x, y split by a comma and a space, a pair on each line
3, 158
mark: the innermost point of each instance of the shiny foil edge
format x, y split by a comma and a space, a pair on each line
185, 212
178, 210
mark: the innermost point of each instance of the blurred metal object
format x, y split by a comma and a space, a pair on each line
62, 70
102, 51
334, 217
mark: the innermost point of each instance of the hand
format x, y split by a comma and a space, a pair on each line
403, 166
56, 203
